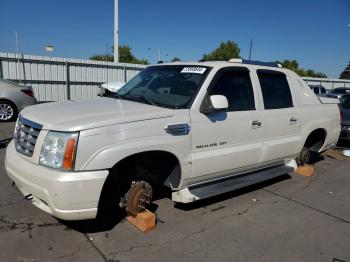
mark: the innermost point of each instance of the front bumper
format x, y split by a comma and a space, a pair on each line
65, 195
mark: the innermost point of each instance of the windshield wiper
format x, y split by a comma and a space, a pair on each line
145, 99
141, 97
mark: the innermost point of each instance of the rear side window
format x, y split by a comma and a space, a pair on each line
275, 89
237, 88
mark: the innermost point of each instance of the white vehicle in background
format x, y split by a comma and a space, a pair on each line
109, 89
199, 128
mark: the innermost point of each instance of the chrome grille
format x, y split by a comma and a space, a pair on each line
26, 134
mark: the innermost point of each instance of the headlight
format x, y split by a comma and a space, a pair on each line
58, 150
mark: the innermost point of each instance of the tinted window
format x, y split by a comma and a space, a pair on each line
237, 88
275, 89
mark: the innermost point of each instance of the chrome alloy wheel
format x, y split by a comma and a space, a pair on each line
6, 111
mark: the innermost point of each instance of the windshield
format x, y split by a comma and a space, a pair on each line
173, 86
340, 91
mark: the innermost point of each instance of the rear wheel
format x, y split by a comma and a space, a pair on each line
8, 111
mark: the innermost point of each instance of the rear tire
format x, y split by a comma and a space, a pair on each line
8, 111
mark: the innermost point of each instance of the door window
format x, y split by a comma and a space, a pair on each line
236, 86
275, 89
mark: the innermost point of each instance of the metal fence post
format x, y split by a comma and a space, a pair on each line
125, 77
67, 80
23, 69
1, 71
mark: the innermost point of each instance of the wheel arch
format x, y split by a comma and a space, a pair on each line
158, 160
316, 139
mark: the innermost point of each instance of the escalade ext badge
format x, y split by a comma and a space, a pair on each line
178, 129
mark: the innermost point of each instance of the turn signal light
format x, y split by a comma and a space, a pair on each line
69, 154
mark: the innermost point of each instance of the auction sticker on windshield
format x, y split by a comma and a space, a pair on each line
193, 70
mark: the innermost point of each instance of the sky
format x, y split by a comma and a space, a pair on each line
314, 32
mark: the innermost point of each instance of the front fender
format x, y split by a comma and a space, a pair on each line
107, 157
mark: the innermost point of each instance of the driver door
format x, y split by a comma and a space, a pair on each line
229, 142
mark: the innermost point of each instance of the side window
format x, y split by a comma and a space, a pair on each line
275, 89
238, 89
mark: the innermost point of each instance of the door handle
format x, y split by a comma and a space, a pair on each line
255, 124
293, 120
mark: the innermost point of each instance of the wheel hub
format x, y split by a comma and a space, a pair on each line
138, 197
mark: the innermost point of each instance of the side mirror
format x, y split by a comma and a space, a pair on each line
214, 104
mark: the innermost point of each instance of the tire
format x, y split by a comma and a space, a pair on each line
8, 111
304, 157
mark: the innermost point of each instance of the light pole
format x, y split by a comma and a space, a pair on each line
116, 32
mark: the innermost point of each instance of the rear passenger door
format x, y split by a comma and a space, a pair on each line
280, 118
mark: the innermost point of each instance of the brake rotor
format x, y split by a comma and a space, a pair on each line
138, 197
304, 157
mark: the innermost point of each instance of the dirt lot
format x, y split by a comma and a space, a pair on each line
293, 218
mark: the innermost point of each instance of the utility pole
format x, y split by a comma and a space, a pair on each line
250, 49
116, 32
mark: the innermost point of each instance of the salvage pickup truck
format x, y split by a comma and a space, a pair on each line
200, 129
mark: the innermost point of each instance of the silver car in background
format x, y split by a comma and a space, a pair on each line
13, 98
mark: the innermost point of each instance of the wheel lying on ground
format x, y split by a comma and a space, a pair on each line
304, 157
8, 111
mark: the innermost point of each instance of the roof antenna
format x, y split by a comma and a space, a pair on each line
250, 49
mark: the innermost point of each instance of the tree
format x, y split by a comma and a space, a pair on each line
294, 66
108, 58
225, 51
175, 59
346, 73
125, 56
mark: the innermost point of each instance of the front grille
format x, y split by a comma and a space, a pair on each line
26, 134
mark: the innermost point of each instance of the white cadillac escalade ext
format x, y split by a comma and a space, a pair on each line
200, 129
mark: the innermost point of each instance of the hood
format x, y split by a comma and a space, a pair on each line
345, 117
86, 114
